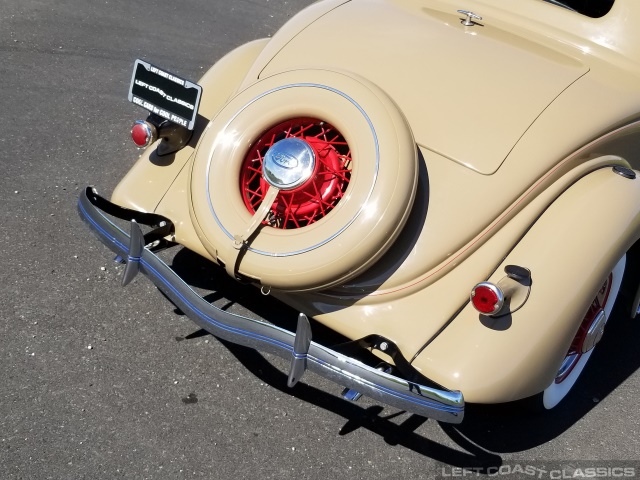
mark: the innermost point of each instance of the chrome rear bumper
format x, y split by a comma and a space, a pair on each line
439, 404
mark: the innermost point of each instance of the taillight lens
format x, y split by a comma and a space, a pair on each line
487, 298
143, 133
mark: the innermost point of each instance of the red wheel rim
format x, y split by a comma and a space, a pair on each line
575, 350
315, 198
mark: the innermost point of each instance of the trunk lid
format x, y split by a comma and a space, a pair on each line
467, 91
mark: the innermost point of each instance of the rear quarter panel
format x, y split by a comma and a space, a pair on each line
569, 250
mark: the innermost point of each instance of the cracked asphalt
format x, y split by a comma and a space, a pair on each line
101, 382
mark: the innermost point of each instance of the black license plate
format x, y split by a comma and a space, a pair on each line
165, 94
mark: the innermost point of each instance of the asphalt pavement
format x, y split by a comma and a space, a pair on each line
102, 382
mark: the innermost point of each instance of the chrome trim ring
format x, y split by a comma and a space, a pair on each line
349, 222
495, 289
150, 131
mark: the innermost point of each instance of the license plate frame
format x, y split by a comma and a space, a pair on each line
165, 94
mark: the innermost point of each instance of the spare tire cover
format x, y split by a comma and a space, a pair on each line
360, 227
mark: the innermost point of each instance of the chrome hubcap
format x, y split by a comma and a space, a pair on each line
289, 163
594, 334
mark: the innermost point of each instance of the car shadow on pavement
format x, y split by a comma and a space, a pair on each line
203, 275
374, 418
487, 430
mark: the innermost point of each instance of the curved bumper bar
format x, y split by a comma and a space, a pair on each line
441, 405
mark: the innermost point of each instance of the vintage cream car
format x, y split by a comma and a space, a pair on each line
451, 185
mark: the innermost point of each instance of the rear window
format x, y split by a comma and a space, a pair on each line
590, 8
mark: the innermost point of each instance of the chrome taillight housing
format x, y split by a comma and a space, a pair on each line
487, 298
143, 133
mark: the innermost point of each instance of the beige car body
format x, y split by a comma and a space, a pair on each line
517, 119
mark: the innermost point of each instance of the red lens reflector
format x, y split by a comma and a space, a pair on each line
141, 134
487, 298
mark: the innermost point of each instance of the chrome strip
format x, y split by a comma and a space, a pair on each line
343, 228
441, 405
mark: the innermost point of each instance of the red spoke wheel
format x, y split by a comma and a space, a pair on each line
314, 199
588, 335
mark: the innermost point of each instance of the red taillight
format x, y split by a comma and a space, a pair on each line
487, 298
143, 133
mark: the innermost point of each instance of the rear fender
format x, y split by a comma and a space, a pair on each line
144, 186
570, 250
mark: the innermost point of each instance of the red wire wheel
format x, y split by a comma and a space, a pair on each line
596, 306
577, 356
345, 208
315, 198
